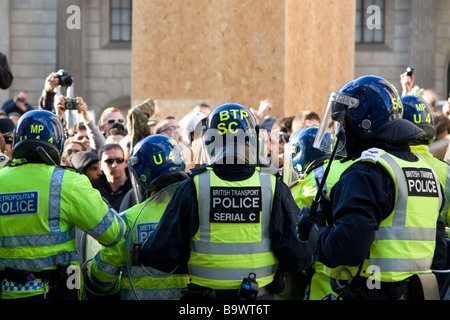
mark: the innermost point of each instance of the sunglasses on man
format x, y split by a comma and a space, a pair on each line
9, 140
111, 161
112, 121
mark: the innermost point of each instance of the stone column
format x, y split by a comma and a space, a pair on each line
422, 42
293, 51
70, 46
217, 51
320, 51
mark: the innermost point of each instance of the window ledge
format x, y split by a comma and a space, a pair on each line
117, 45
372, 47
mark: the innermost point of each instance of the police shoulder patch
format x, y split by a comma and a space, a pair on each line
195, 171
372, 154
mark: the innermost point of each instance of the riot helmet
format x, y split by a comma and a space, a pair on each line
299, 154
418, 111
39, 137
156, 161
367, 108
230, 135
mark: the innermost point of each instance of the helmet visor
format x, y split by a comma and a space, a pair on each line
139, 188
291, 173
332, 122
237, 148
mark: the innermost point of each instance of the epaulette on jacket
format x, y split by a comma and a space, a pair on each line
195, 171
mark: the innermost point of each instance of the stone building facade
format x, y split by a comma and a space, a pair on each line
417, 34
37, 41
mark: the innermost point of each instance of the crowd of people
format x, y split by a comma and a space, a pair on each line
129, 158
95, 144
112, 177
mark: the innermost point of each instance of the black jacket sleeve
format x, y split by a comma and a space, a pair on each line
168, 246
361, 199
6, 76
440, 251
46, 100
292, 254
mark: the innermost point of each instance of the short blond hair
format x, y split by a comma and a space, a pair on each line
107, 110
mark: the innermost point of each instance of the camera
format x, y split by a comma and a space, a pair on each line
71, 104
409, 71
3, 160
64, 78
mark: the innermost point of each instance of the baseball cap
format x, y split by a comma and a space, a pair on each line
6, 126
83, 160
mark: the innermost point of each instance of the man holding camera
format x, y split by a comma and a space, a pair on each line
18, 104
61, 78
89, 130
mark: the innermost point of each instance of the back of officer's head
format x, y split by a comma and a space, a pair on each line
419, 112
299, 154
230, 135
39, 137
155, 162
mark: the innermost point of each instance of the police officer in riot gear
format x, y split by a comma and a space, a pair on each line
41, 205
300, 162
376, 200
419, 112
157, 165
230, 221
310, 166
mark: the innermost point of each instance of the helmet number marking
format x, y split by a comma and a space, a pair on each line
237, 114
223, 127
396, 103
421, 107
37, 128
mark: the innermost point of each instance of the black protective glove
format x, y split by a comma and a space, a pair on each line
306, 221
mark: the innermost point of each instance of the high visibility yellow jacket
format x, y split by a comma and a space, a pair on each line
232, 240
40, 206
405, 241
305, 194
143, 284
